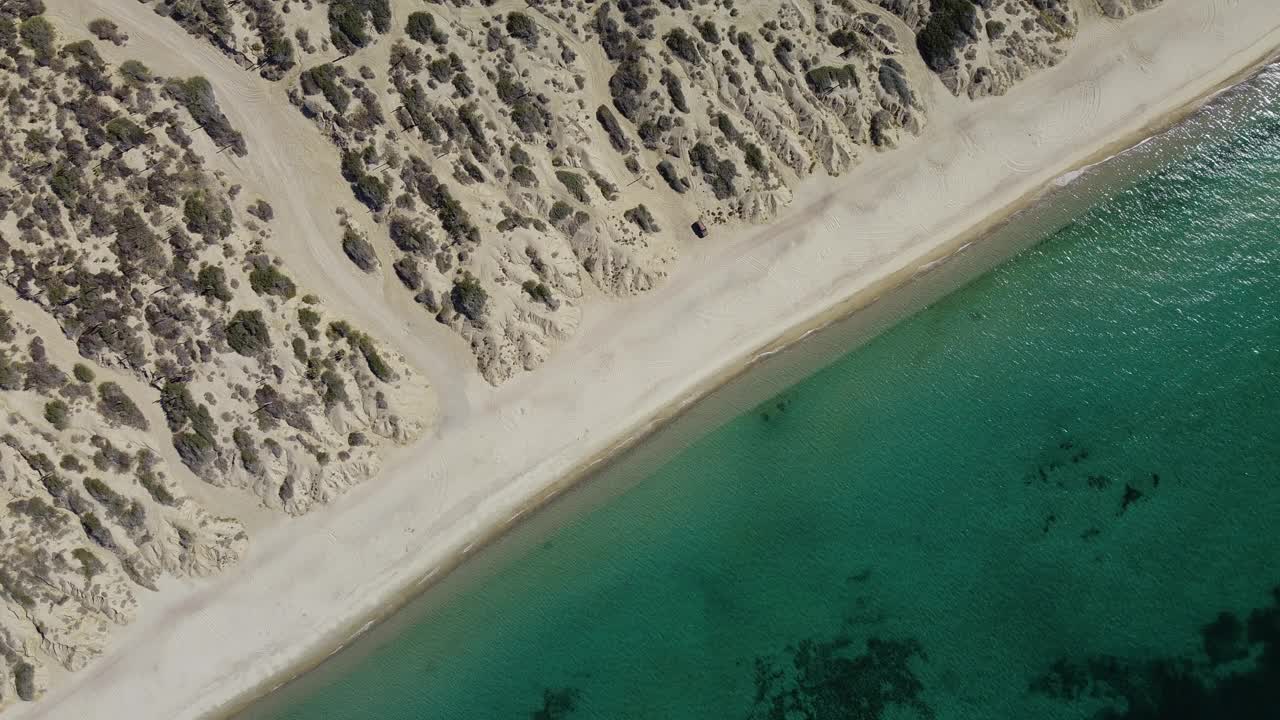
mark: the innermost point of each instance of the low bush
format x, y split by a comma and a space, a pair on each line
642, 218
56, 412
118, 407
574, 183
952, 25
523, 175
211, 282
38, 34
522, 28
82, 373
267, 279
196, 95
90, 565
826, 78
540, 292
682, 45
718, 173
135, 73
359, 251
247, 333
104, 29
469, 298
668, 173
422, 27
325, 79
617, 137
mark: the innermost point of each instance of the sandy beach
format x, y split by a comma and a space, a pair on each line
202, 648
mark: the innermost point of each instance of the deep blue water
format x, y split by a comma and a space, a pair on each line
1053, 494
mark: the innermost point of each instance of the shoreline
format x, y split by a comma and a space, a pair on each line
861, 301
222, 693
870, 300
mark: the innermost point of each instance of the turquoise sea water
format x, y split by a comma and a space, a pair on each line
1053, 494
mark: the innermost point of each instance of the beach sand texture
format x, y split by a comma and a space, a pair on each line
307, 583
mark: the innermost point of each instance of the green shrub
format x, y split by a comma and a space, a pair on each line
82, 372
90, 565
468, 297
309, 320
755, 159
324, 79
560, 210
574, 183
849, 42
206, 216
195, 450
376, 364
56, 411
371, 191
606, 188
523, 175
540, 292
104, 29
522, 28
519, 156
410, 237
675, 91
24, 680
267, 279
247, 333
718, 173
826, 78
196, 95
708, 32
668, 173
42, 514
359, 251
952, 25
422, 27
683, 46
135, 73
129, 513
211, 281
617, 138
249, 459
642, 218
349, 22
116, 406
38, 34
123, 131
156, 488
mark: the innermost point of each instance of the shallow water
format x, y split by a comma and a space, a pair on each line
1054, 494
